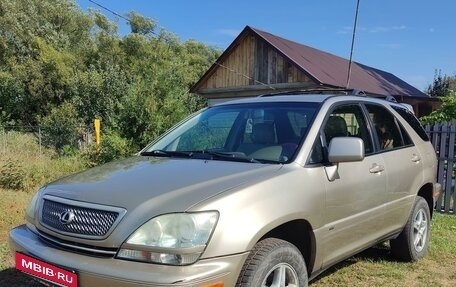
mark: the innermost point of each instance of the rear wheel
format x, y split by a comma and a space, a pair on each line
276, 263
412, 243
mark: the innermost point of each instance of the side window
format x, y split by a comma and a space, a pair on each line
348, 120
316, 155
387, 129
412, 121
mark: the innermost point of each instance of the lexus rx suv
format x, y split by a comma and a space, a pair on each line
264, 191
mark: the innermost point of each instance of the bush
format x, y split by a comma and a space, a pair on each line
12, 175
61, 128
445, 113
25, 167
112, 146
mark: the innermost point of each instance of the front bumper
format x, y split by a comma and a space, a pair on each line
94, 271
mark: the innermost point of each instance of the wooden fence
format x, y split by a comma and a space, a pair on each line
443, 139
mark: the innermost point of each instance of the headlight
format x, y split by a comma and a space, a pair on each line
175, 239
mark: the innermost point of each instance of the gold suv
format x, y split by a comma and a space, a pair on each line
266, 191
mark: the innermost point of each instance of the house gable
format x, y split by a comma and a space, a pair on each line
250, 65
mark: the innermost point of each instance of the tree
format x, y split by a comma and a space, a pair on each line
440, 86
445, 113
140, 24
57, 59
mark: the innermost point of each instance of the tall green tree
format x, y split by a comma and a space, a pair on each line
57, 59
440, 87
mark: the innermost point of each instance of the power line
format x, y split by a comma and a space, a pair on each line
244, 75
109, 10
217, 63
117, 14
352, 45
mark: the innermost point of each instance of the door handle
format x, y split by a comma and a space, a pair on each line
416, 158
376, 168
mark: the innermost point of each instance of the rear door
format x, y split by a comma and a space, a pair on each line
403, 165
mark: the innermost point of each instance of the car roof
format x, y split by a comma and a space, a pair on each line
313, 98
278, 98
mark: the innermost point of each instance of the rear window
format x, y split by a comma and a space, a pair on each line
413, 122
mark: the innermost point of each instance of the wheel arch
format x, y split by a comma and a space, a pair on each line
298, 232
426, 192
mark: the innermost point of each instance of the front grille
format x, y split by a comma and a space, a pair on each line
85, 221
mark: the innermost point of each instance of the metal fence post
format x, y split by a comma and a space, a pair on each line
3, 140
39, 139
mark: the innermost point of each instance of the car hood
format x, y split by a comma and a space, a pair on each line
158, 184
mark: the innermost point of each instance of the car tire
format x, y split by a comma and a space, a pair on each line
274, 262
412, 243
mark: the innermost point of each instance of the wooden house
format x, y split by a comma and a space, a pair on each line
259, 62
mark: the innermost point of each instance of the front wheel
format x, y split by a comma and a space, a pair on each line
412, 243
276, 263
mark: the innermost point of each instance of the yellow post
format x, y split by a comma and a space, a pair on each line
97, 131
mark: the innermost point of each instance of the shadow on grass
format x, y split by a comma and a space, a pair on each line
12, 278
379, 253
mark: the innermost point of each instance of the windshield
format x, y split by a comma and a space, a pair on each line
259, 132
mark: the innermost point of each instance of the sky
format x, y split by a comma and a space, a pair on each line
410, 38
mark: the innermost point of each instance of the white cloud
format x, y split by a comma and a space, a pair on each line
228, 32
345, 30
377, 29
391, 46
384, 29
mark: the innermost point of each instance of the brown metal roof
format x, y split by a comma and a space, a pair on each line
329, 69
326, 69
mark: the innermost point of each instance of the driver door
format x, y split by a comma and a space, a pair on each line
353, 205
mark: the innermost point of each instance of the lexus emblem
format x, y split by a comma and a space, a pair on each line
66, 217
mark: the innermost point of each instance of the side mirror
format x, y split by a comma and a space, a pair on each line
343, 149
346, 149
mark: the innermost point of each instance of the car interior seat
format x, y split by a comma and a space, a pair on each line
335, 127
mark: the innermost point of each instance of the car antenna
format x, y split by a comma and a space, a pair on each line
352, 45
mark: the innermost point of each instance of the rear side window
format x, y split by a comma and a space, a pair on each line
387, 129
412, 121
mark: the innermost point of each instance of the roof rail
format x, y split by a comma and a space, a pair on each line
356, 92
351, 92
391, 99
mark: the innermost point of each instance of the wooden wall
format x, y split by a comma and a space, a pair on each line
253, 62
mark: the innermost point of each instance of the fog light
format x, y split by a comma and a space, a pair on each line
216, 284
162, 258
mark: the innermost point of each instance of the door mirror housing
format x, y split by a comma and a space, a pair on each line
345, 149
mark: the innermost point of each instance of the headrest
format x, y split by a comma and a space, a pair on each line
263, 133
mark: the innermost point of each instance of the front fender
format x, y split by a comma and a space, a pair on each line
248, 213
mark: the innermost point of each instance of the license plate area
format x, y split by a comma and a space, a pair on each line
46, 271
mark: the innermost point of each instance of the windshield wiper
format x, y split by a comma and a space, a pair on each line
166, 153
201, 154
230, 156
